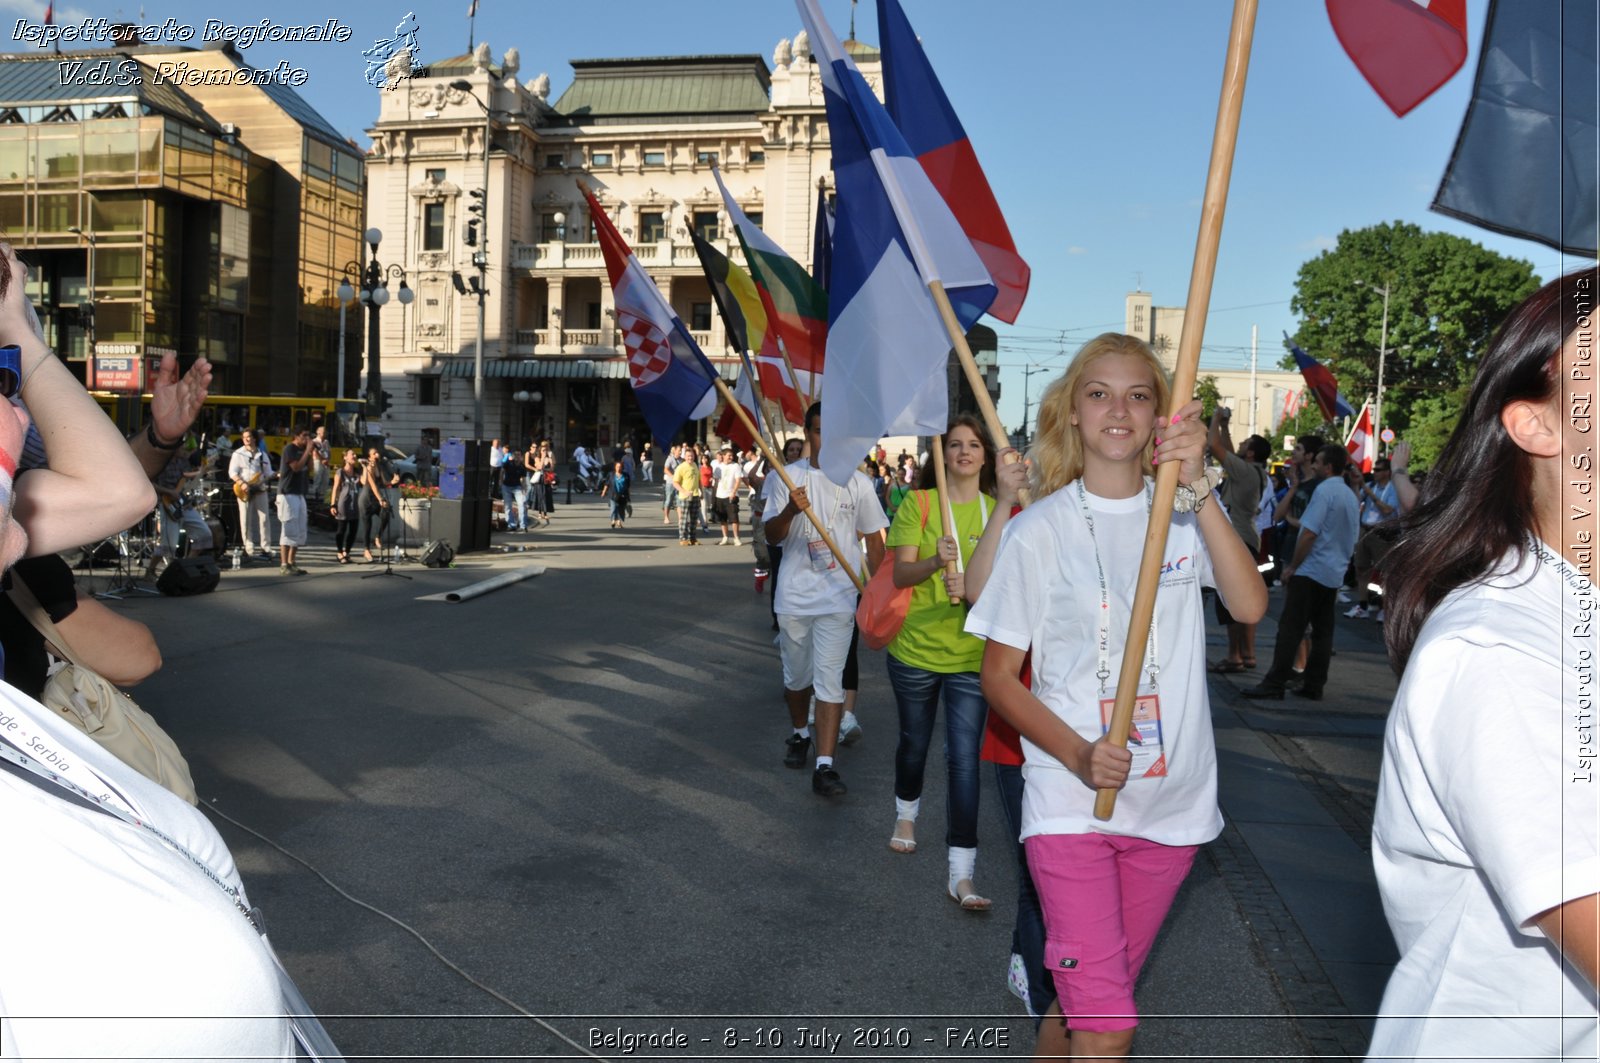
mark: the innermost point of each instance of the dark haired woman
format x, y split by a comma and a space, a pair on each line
347, 492
1486, 838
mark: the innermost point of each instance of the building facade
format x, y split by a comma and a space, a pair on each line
203, 215
644, 135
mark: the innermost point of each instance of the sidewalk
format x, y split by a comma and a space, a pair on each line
1297, 780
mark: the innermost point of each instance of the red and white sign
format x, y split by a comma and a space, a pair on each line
123, 372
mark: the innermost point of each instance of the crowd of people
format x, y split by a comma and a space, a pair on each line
1020, 610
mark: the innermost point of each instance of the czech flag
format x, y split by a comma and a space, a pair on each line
917, 103
671, 378
1319, 378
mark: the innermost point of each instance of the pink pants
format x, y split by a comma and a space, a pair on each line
1104, 898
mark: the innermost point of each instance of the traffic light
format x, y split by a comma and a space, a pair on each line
475, 217
383, 402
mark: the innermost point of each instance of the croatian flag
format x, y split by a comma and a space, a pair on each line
893, 236
1363, 441
1405, 49
671, 378
1324, 388
917, 103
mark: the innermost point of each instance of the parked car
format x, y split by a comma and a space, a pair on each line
403, 463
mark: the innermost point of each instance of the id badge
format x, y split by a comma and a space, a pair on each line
822, 559
1145, 739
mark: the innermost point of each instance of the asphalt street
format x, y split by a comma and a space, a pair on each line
553, 822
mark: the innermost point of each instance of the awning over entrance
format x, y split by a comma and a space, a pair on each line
556, 368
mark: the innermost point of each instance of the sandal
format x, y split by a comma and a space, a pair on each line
1249, 664
1226, 667
366, 557
898, 844
965, 895
344, 558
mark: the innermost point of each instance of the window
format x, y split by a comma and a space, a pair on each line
435, 177
600, 158
700, 316
555, 162
652, 226
588, 235
705, 158
427, 391
433, 226
705, 224
755, 217
549, 228
758, 156
593, 316
655, 158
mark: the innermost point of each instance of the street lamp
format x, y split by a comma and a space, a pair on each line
480, 257
1383, 350
375, 293
346, 293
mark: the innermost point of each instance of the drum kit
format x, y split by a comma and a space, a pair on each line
202, 522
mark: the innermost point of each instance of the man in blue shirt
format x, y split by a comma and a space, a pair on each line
1328, 531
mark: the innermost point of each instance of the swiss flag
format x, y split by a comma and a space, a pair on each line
1404, 48
1363, 441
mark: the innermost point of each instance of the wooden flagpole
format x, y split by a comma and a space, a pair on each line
755, 389
783, 474
980, 388
945, 523
1223, 140
794, 378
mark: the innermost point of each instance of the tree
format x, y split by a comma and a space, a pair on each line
1209, 394
1447, 295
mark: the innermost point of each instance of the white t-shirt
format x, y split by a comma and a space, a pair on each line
729, 477
848, 512
1486, 818
1044, 593
106, 920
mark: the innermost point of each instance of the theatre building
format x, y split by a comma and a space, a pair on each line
211, 216
644, 134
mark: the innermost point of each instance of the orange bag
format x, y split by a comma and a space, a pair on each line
882, 610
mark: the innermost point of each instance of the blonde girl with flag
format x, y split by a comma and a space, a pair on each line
1063, 585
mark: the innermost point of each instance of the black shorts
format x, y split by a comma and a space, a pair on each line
725, 510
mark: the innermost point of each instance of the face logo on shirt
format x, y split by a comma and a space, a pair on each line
1178, 571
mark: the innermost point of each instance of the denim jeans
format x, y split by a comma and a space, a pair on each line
916, 694
1027, 937
516, 502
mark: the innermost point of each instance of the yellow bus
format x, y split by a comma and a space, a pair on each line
273, 416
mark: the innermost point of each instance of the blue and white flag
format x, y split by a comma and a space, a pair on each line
893, 236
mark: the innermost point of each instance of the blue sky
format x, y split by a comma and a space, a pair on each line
1093, 120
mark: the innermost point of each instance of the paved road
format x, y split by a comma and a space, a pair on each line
572, 789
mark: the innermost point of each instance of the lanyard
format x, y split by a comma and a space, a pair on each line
1103, 642
811, 533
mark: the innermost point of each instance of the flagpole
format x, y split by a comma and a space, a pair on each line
755, 389
804, 393
945, 519
783, 474
980, 387
1223, 141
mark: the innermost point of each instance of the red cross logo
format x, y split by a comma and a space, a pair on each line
649, 354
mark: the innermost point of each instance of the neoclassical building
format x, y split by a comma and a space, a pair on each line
644, 134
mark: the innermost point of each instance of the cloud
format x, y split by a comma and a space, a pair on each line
1076, 250
1318, 243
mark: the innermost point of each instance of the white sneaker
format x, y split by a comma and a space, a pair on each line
849, 730
1358, 612
1343, 597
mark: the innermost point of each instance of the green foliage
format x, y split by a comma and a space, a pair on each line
1447, 295
1206, 390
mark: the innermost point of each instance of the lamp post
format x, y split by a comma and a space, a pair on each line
375, 293
480, 257
345, 293
1383, 350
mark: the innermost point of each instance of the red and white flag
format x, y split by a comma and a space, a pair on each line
1292, 403
1405, 49
1363, 441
